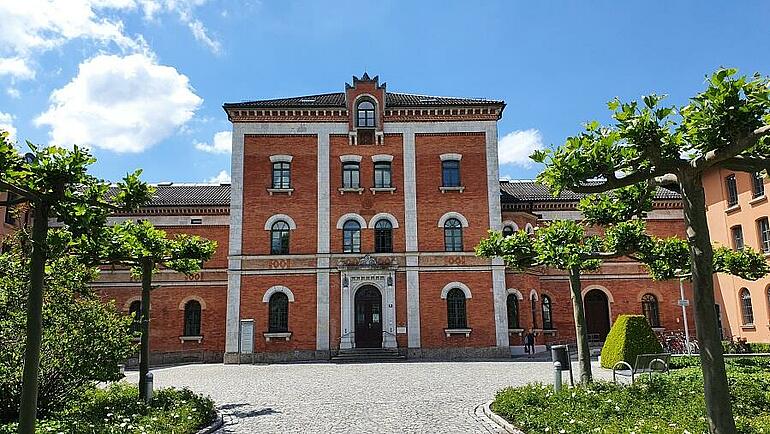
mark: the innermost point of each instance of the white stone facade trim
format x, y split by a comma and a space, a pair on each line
383, 215
451, 156
382, 157
529, 228
452, 285
127, 304
516, 292
351, 216
451, 215
277, 288
512, 224
533, 295
190, 298
281, 158
350, 158
278, 217
605, 291
176, 220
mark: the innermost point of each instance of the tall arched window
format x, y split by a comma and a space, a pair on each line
455, 305
279, 313
383, 236
747, 312
351, 237
453, 235
192, 318
279, 238
365, 114
547, 318
533, 309
135, 310
508, 231
512, 304
650, 309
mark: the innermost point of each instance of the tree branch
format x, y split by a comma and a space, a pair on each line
613, 182
716, 156
747, 164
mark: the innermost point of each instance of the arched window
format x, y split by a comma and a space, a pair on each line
512, 303
365, 113
508, 231
455, 306
279, 313
533, 308
279, 238
747, 312
383, 236
547, 319
351, 237
650, 309
192, 318
135, 310
453, 235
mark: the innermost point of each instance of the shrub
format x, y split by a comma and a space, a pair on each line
630, 336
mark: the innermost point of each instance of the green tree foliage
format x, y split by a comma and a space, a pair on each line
630, 336
83, 339
724, 127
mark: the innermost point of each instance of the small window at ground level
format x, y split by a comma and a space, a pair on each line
650, 309
456, 315
135, 310
747, 312
278, 313
192, 318
547, 318
512, 304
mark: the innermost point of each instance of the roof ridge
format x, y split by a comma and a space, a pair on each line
474, 98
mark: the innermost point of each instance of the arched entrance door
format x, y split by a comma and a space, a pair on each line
597, 313
368, 305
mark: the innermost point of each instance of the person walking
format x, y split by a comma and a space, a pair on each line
529, 343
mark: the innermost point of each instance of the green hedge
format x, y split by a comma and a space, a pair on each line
630, 336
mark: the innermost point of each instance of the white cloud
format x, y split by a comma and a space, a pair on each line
516, 147
123, 104
6, 124
222, 143
13, 92
221, 178
16, 67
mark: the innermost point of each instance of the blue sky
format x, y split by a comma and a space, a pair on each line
142, 81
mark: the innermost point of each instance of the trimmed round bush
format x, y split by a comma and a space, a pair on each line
630, 336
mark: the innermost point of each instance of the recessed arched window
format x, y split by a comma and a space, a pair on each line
351, 237
650, 309
135, 310
747, 312
365, 114
279, 238
455, 305
547, 318
508, 231
279, 313
512, 304
533, 309
192, 318
453, 235
383, 236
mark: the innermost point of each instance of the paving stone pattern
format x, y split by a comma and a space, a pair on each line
427, 397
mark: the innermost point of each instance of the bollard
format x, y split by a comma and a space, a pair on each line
148, 396
556, 376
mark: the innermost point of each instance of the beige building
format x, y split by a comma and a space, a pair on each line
738, 211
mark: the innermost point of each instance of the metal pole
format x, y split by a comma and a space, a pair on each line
556, 376
684, 315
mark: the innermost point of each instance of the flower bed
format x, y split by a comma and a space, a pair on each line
670, 403
118, 409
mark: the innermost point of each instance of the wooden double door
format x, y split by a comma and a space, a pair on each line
368, 308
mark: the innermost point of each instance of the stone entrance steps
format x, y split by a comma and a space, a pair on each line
368, 355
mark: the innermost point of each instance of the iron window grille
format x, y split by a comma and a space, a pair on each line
650, 309
456, 315
192, 318
547, 319
279, 313
764, 234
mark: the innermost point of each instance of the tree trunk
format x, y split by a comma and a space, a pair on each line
718, 410
581, 329
28, 408
144, 345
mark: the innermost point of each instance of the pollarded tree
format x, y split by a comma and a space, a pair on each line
55, 183
144, 249
725, 126
565, 245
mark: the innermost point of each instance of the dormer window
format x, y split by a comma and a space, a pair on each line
365, 114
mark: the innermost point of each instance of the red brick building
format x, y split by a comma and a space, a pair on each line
351, 223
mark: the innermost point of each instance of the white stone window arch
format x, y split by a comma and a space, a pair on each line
277, 217
191, 298
130, 301
380, 216
533, 295
604, 290
459, 285
281, 158
382, 157
278, 288
451, 156
451, 215
529, 228
351, 216
350, 158
515, 292
512, 224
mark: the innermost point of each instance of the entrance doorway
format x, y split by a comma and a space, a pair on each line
597, 311
368, 308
